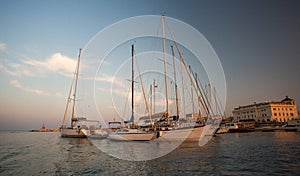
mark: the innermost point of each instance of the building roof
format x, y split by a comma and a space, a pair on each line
286, 99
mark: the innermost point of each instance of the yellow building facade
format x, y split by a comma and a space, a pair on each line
280, 111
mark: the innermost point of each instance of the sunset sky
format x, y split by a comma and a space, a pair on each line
257, 42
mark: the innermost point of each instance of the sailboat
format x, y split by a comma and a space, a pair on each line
133, 133
182, 130
77, 123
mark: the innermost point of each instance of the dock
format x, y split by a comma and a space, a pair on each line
276, 128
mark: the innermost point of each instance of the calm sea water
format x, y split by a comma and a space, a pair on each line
256, 153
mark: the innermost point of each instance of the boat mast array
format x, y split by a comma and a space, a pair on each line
75, 78
189, 72
199, 94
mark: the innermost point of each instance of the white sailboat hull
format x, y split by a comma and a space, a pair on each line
131, 135
182, 134
72, 133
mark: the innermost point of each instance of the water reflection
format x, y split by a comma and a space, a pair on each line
257, 153
135, 151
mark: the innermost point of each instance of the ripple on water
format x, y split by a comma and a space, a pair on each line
254, 153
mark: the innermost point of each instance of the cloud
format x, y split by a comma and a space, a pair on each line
59, 63
7, 71
113, 80
2, 46
119, 92
58, 94
17, 84
16, 70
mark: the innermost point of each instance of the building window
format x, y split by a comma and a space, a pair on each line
275, 114
292, 114
283, 114
290, 109
274, 109
279, 114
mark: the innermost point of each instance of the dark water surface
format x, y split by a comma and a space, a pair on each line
256, 153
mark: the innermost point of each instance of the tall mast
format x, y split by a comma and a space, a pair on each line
151, 94
208, 97
75, 88
196, 79
165, 65
154, 86
193, 105
216, 103
209, 93
200, 97
183, 96
176, 91
144, 94
132, 83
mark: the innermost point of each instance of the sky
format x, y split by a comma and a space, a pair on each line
257, 43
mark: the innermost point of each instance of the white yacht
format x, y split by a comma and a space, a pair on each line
127, 134
133, 133
77, 123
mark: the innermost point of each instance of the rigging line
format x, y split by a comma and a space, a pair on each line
75, 76
126, 103
185, 93
200, 98
208, 103
220, 105
205, 99
68, 101
154, 43
201, 86
76, 82
141, 81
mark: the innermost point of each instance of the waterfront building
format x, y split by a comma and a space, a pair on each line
273, 111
